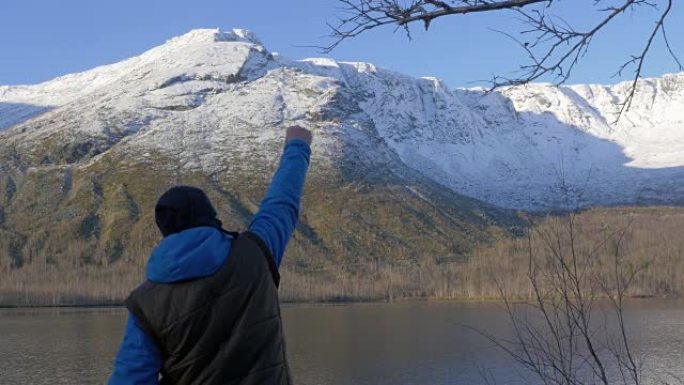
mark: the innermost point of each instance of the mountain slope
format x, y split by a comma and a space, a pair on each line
79, 175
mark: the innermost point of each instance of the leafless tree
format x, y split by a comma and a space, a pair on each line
572, 331
553, 46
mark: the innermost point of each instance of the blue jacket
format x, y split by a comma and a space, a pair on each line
201, 251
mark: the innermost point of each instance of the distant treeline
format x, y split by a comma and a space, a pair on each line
652, 246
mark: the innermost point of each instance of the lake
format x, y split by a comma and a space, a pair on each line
404, 343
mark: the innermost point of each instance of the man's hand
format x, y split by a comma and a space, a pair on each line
298, 132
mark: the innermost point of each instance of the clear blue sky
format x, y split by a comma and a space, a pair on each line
41, 39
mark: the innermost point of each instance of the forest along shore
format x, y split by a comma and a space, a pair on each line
646, 242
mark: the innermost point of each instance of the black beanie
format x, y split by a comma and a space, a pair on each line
184, 207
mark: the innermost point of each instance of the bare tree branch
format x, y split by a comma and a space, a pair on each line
639, 60
552, 45
364, 15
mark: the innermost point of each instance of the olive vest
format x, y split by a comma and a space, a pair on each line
221, 329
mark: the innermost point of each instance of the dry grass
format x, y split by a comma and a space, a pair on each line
653, 244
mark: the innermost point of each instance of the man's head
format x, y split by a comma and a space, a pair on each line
184, 207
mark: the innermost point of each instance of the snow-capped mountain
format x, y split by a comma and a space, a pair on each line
530, 147
84, 157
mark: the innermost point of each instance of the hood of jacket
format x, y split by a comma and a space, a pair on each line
193, 253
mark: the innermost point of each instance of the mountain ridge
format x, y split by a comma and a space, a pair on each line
555, 138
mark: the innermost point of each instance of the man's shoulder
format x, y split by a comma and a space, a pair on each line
254, 242
250, 242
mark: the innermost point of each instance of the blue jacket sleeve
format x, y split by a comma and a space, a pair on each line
139, 361
277, 217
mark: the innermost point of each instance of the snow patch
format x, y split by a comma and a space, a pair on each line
322, 62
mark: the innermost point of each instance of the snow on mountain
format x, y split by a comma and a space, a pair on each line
537, 146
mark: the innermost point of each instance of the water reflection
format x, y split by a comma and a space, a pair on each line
411, 343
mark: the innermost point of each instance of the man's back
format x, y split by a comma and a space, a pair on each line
221, 329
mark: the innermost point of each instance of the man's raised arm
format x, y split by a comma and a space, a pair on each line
277, 217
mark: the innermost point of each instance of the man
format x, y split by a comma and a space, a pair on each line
209, 311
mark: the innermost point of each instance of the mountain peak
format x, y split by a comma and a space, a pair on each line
216, 35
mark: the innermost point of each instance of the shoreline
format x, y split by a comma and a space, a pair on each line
484, 300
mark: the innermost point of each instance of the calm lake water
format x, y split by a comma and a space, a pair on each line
407, 343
